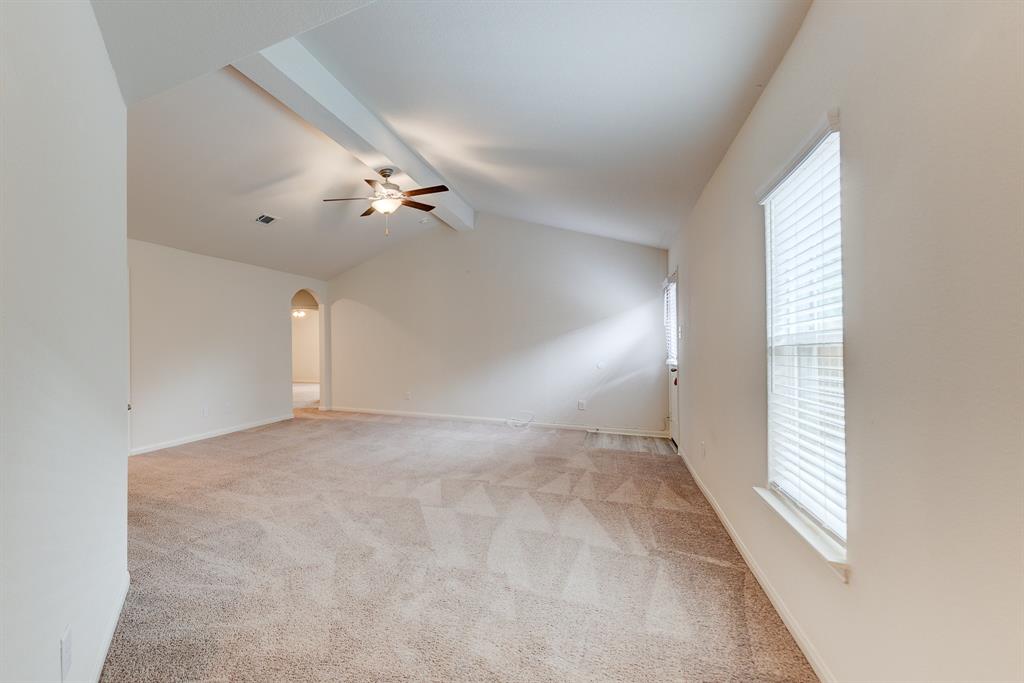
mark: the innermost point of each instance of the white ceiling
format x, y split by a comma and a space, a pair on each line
157, 44
206, 158
604, 117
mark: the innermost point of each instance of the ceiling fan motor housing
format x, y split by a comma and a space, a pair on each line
387, 197
386, 174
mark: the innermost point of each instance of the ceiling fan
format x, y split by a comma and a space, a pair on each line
387, 197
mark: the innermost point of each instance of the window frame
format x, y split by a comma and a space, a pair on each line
672, 281
825, 542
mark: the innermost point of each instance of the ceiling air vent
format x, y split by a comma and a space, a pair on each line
266, 219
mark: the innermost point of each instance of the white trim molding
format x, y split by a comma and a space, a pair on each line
824, 545
624, 431
208, 435
108, 632
799, 635
829, 124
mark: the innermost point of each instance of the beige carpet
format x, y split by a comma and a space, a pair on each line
341, 547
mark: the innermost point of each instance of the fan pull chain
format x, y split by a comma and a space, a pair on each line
386, 219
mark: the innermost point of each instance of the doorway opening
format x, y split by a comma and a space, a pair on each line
672, 338
305, 314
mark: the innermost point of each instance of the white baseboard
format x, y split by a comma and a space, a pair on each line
108, 633
207, 435
799, 635
625, 431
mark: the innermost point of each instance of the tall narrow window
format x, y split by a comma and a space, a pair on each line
806, 404
671, 336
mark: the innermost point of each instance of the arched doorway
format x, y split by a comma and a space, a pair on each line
306, 370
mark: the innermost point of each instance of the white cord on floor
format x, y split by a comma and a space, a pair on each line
520, 422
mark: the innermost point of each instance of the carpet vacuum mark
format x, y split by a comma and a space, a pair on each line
340, 547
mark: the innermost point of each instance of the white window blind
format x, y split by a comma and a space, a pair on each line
806, 405
671, 326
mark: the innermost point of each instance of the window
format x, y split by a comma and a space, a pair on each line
671, 335
806, 404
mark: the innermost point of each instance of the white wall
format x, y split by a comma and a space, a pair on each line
930, 97
63, 342
306, 348
509, 317
210, 343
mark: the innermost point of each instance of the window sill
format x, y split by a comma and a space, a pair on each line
823, 544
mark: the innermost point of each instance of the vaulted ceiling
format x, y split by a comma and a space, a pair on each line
205, 159
606, 118
603, 117
157, 44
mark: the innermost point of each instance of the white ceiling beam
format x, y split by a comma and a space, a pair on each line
158, 44
299, 81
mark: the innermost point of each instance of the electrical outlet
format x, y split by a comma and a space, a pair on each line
581, 404
65, 655
408, 396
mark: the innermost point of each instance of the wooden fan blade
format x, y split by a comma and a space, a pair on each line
426, 190
347, 199
367, 212
417, 205
372, 183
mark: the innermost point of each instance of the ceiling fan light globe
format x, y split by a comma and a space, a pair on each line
387, 205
